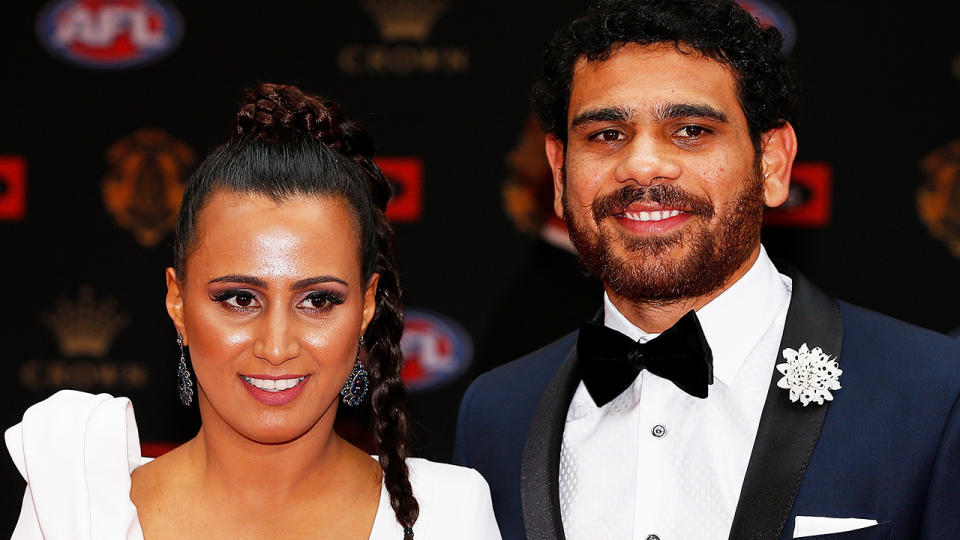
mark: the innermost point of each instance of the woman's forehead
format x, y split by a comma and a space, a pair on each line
254, 234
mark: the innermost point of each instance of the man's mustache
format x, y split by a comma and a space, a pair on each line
662, 194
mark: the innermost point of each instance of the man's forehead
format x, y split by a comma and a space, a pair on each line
646, 79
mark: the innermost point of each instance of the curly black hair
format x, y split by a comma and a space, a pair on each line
717, 29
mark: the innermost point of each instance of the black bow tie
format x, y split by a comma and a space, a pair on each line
610, 361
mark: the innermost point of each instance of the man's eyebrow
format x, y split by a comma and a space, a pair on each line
304, 283
674, 111
240, 278
601, 114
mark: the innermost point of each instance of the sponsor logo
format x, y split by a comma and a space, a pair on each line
84, 328
768, 14
404, 26
938, 198
145, 182
13, 188
436, 349
110, 34
808, 203
406, 175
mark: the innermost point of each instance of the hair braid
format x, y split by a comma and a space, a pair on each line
388, 393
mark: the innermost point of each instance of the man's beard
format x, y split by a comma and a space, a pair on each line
647, 275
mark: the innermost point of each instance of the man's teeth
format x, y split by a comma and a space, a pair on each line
651, 216
271, 385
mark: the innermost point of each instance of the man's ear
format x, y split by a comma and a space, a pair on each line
779, 151
175, 302
555, 152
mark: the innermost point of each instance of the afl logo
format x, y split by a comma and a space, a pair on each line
110, 34
436, 350
769, 14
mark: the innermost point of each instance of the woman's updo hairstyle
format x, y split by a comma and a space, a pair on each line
284, 143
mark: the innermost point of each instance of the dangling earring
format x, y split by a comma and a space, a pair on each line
184, 382
355, 389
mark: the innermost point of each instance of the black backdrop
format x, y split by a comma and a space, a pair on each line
83, 252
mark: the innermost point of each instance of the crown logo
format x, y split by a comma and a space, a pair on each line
85, 326
405, 20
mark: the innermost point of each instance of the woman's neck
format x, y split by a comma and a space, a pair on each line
229, 463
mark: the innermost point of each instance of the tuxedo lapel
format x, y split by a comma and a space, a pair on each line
788, 431
540, 472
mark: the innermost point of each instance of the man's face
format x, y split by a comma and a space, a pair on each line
659, 181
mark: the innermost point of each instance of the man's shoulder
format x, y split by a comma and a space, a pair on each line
894, 349
533, 370
862, 324
522, 381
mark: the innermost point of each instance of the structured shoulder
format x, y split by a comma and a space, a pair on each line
531, 371
454, 502
76, 451
899, 360
438, 477
935, 351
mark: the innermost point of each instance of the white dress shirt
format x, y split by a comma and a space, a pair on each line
658, 463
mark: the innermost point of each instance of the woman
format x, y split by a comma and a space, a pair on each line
283, 275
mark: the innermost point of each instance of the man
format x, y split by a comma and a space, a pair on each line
716, 395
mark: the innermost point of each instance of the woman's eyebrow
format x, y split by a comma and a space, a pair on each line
304, 283
240, 278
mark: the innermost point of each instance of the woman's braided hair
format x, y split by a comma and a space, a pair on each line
284, 142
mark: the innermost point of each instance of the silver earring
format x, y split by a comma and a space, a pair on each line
184, 382
358, 382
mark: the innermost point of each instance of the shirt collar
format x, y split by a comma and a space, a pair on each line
733, 322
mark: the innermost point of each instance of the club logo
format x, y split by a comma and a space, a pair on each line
143, 187
770, 14
404, 26
110, 34
13, 188
436, 350
808, 202
85, 328
406, 175
938, 198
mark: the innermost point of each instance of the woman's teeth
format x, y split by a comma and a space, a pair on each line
651, 216
271, 385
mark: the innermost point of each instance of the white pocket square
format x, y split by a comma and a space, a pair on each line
814, 525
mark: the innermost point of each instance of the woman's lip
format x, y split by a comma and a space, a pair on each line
272, 377
276, 397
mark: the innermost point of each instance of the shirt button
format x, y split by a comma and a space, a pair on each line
653, 537
657, 431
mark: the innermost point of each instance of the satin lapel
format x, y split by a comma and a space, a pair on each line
788, 432
540, 472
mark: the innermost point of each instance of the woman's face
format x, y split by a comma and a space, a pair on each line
272, 306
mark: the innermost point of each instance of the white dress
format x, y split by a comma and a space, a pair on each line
77, 450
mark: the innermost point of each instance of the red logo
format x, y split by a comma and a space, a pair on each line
436, 350
110, 34
808, 204
13, 187
406, 174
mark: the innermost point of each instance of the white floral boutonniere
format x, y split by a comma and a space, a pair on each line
810, 375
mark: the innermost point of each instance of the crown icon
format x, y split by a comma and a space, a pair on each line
85, 326
400, 20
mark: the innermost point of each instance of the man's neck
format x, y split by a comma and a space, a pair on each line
653, 317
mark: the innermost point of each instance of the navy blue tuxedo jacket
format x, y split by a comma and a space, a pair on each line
886, 448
